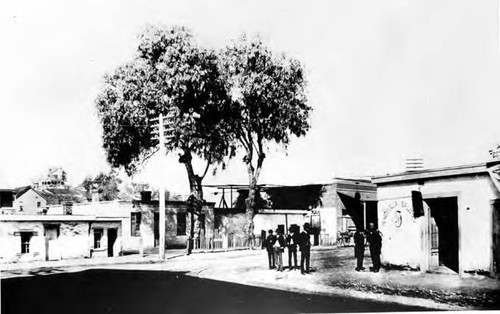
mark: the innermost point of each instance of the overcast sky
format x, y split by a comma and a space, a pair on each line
387, 80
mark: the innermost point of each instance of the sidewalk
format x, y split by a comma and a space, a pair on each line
49, 267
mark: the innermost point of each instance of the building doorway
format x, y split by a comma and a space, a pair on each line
112, 235
496, 239
444, 236
51, 234
156, 229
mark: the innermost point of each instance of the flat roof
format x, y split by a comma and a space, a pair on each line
54, 218
461, 170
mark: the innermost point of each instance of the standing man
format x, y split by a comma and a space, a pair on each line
291, 243
359, 249
375, 239
279, 247
305, 250
269, 243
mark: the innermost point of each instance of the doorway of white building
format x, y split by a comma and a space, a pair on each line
51, 234
112, 235
443, 233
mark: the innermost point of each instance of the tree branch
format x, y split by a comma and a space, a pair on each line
206, 168
149, 156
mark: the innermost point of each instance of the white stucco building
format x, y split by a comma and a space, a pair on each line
446, 217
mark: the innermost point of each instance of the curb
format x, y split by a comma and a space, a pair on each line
90, 265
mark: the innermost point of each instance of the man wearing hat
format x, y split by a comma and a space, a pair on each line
292, 240
269, 244
305, 250
279, 247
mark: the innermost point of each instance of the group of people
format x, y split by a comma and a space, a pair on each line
374, 239
275, 245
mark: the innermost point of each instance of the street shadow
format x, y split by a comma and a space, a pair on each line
45, 271
128, 291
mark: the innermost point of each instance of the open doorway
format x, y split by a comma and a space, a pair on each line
112, 235
444, 232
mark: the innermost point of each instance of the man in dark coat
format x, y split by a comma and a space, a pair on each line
305, 250
292, 240
359, 249
269, 243
375, 239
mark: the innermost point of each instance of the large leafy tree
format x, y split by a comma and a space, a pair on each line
269, 91
106, 185
170, 74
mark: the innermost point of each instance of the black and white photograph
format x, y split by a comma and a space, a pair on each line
218, 156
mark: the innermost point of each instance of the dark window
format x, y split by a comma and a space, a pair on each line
135, 221
20, 208
6, 199
181, 223
38, 204
25, 241
97, 238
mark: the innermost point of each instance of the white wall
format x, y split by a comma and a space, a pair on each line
29, 202
474, 194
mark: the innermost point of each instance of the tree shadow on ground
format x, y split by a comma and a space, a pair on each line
126, 291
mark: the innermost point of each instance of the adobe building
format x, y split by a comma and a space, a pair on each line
54, 237
441, 218
97, 229
140, 221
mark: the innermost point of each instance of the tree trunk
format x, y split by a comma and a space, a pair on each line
195, 200
251, 201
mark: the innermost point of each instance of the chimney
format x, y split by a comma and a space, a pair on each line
67, 208
145, 196
95, 195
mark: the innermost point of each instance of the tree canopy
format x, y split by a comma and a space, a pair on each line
269, 91
106, 185
169, 74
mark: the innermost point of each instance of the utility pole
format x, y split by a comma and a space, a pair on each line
162, 190
158, 133
163, 131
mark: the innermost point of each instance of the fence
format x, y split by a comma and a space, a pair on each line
220, 241
327, 240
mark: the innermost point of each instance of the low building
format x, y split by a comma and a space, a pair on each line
55, 237
330, 209
140, 221
96, 229
445, 217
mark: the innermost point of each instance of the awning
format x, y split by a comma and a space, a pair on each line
364, 196
354, 208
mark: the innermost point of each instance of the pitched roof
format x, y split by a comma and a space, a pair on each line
57, 196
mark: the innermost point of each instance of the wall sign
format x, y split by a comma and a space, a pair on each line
397, 219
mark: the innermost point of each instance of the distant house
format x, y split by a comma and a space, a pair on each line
54, 179
29, 202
